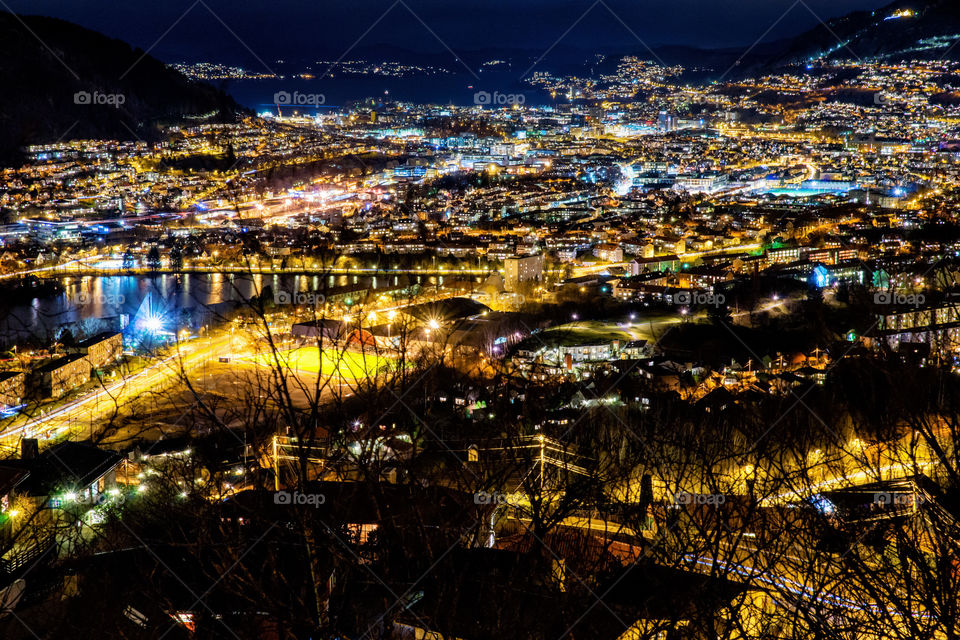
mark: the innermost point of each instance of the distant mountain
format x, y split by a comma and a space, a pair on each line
902, 30
560, 59
61, 81
729, 61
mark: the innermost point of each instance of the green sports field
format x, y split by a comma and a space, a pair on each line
332, 362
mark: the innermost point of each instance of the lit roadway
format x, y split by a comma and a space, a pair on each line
53, 268
79, 268
87, 410
600, 268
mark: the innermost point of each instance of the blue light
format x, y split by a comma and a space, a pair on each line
150, 322
823, 505
821, 276
153, 324
12, 411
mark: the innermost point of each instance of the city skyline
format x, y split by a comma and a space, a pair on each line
583, 339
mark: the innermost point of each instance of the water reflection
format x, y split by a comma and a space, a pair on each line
192, 298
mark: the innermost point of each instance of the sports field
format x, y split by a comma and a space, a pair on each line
333, 362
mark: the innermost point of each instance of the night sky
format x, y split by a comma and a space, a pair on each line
272, 29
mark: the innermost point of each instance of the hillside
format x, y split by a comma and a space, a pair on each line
52, 81
905, 29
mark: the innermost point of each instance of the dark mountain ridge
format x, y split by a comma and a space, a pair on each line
62, 81
901, 30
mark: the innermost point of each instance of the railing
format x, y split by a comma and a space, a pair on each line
11, 563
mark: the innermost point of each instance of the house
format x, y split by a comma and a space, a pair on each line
63, 374
12, 388
585, 352
636, 349
664, 375
609, 252
65, 473
670, 262
517, 270
101, 349
707, 277
641, 290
